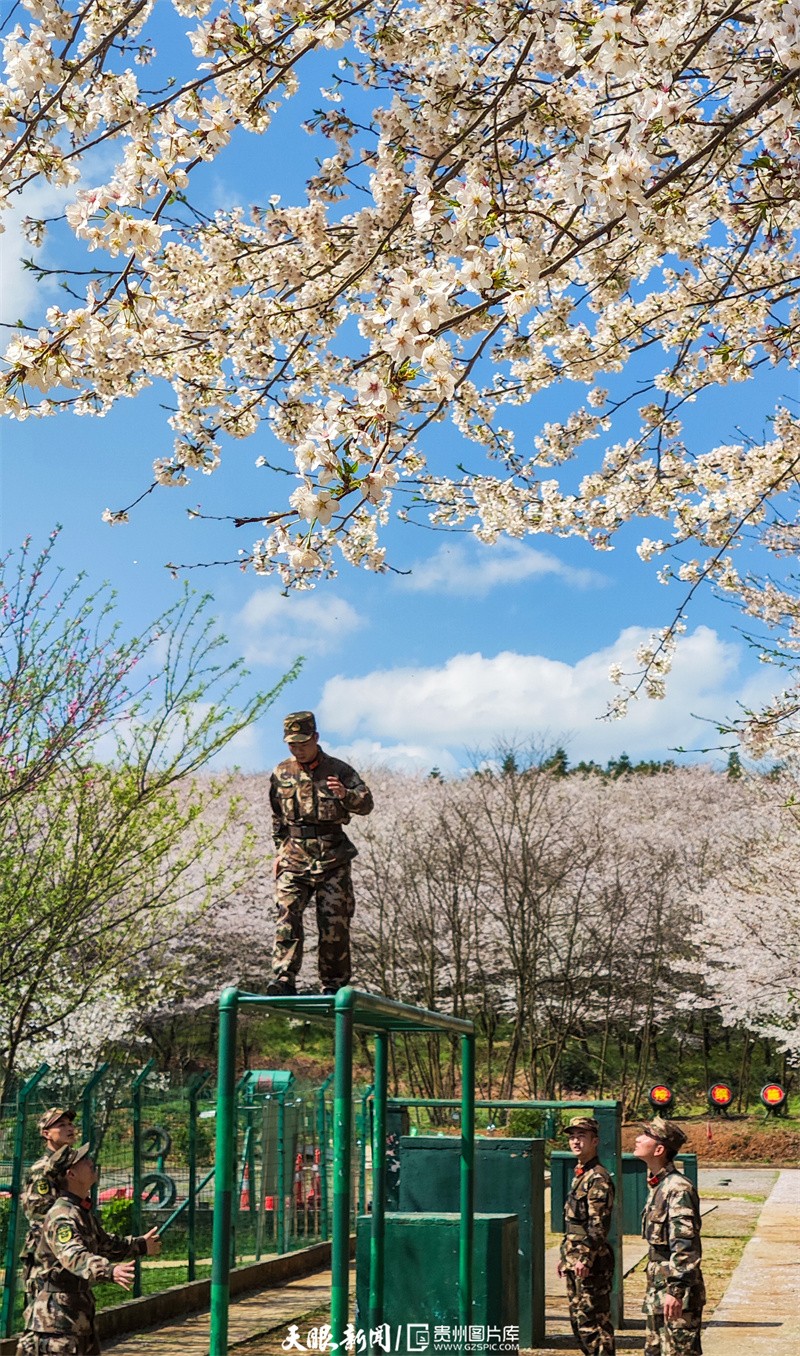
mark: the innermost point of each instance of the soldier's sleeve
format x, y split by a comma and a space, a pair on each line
66, 1240
37, 1195
358, 797
685, 1248
600, 1200
279, 826
119, 1247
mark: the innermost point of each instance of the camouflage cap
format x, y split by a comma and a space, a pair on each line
299, 726
668, 1133
53, 1114
587, 1123
66, 1158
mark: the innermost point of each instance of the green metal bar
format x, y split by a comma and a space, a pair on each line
365, 1007
467, 1226
136, 1203
378, 1227
322, 1136
362, 1161
184, 1205
342, 1134
15, 1187
498, 1103
280, 1214
196, 1085
224, 1172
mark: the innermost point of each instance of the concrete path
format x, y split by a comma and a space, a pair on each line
249, 1317
759, 1315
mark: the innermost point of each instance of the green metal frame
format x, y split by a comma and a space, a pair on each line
350, 1009
14, 1188
609, 1118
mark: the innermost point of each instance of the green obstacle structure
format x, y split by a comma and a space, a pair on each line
531, 1277
349, 1010
509, 1179
634, 1178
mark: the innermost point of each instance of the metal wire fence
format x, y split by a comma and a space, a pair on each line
153, 1138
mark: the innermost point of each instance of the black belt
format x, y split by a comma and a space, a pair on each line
314, 831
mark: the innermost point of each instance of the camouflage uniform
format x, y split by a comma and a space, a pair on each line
587, 1220
314, 856
74, 1253
671, 1225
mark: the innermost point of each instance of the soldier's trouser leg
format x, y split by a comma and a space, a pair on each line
57, 1344
292, 893
680, 1337
590, 1317
335, 906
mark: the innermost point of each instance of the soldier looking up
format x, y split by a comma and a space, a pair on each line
57, 1128
312, 796
75, 1253
587, 1262
673, 1303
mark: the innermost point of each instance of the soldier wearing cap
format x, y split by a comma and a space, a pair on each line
57, 1128
74, 1253
587, 1261
675, 1295
312, 796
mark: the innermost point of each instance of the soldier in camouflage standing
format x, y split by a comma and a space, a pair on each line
675, 1295
74, 1253
57, 1127
312, 796
587, 1261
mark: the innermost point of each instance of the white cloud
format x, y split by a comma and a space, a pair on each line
273, 629
473, 700
23, 297
409, 758
477, 569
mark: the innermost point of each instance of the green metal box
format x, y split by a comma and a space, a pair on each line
509, 1176
421, 1280
634, 1187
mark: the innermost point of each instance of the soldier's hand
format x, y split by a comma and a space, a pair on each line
123, 1274
581, 1270
559, 1270
337, 788
153, 1242
673, 1308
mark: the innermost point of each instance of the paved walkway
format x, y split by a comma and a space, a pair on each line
248, 1317
759, 1314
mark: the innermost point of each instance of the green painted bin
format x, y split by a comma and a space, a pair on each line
420, 1301
509, 1176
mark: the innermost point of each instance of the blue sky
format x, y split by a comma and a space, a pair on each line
475, 645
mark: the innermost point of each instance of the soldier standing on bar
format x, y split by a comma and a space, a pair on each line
57, 1128
74, 1253
587, 1261
673, 1303
312, 796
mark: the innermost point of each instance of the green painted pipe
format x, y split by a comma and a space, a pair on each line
224, 1172
322, 1138
196, 1084
342, 1133
15, 1186
377, 1238
136, 1204
466, 1228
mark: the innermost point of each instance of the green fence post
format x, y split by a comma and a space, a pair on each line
14, 1188
280, 1181
322, 1138
378, 1227
196, 1083
609, 1150
136, 1204
467, 1226
342, 1132
224, 1173
362, 1161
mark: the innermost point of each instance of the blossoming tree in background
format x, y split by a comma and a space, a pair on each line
598, 199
